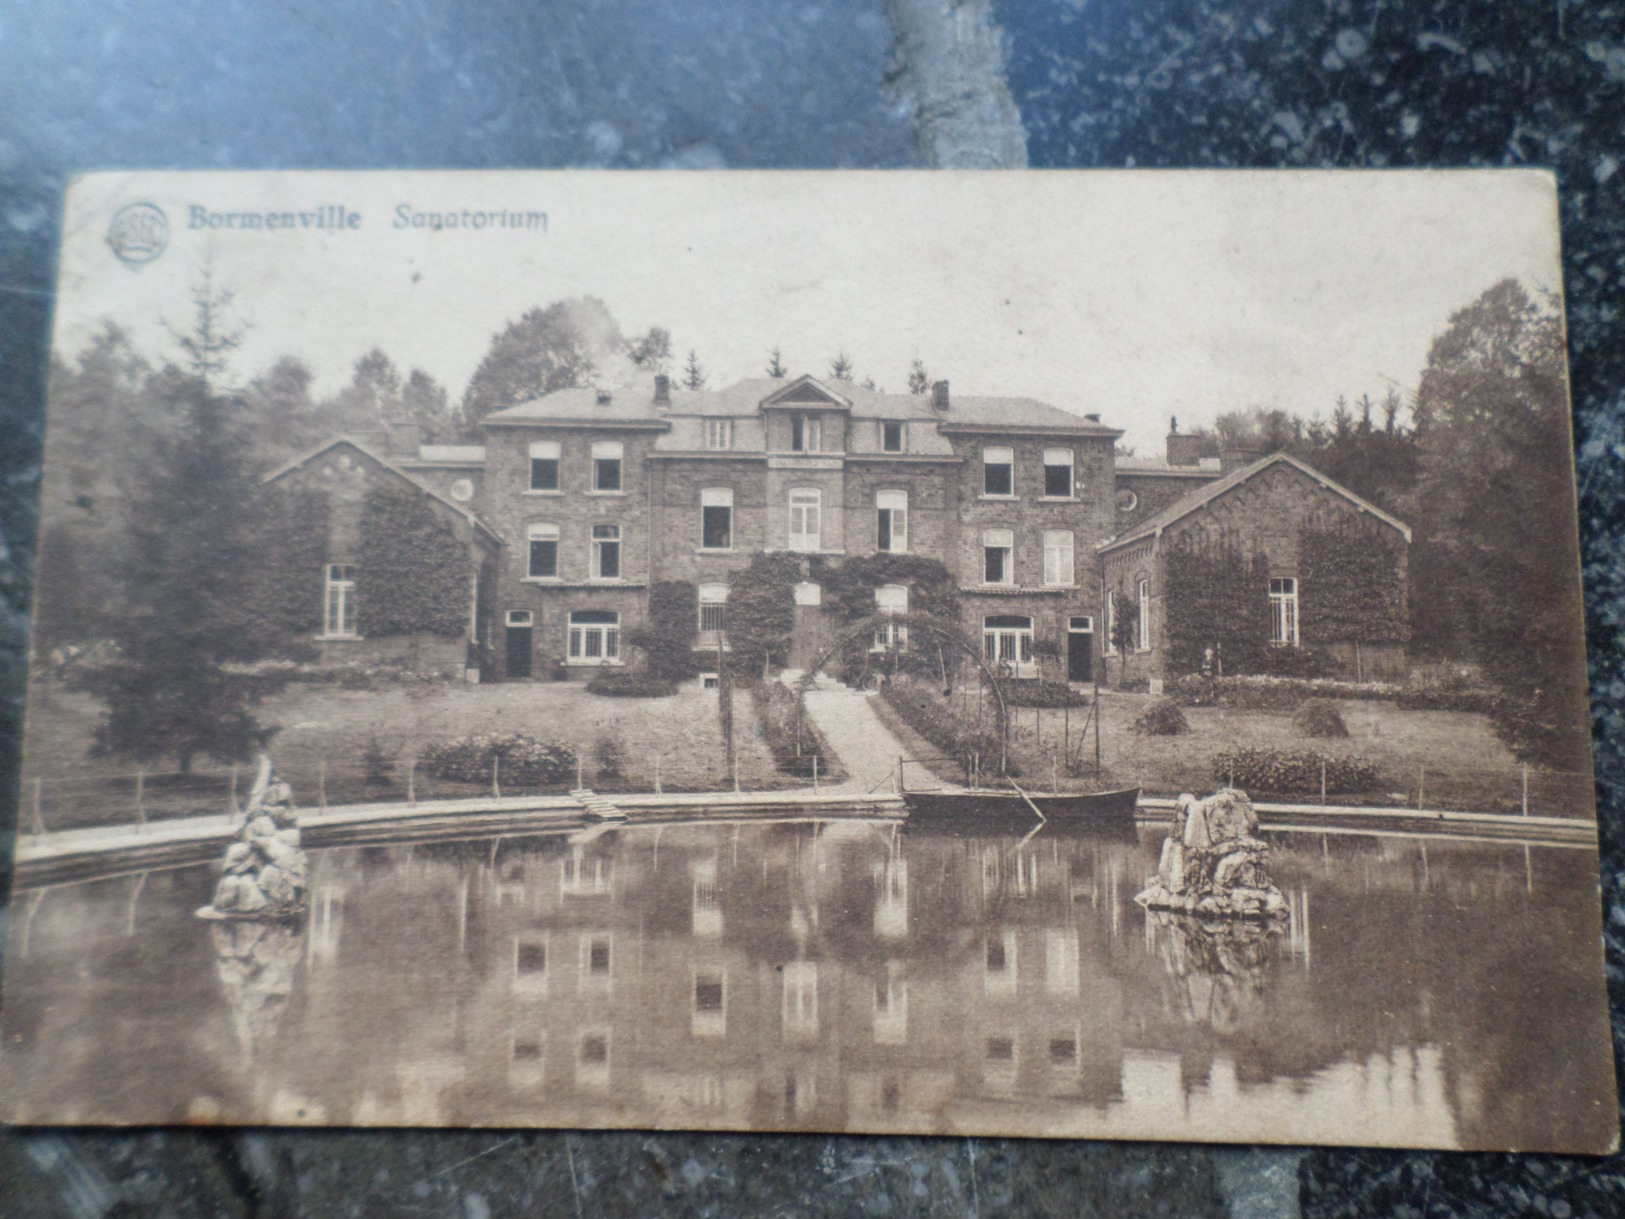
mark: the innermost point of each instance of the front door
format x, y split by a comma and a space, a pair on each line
1080, 650
519, 646
807, 634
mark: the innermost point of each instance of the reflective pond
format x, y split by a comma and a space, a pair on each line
845, 975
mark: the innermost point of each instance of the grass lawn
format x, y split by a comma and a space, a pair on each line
323, 733
1454, 755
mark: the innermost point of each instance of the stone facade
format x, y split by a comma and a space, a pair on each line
581, 500
345, 471
1258, 510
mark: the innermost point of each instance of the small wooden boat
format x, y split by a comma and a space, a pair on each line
988, 809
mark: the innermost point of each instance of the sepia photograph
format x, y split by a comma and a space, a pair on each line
1048, 654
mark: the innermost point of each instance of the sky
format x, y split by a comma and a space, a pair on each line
1138, 295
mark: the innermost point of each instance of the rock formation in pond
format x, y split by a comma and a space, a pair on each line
1213, 862
1218, 969
256, 960
265, 866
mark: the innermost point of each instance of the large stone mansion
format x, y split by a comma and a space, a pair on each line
581, 500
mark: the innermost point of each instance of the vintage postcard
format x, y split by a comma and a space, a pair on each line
1053, 654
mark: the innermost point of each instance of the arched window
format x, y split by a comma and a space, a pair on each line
891, 602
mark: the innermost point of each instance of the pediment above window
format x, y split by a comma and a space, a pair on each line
807, 391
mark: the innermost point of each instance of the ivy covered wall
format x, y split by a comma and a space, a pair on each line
1352, 584
1215, 597
286, 576
413, 571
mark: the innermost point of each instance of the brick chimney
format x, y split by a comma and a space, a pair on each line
1183, 450
662, 389
939, 395
1234, 457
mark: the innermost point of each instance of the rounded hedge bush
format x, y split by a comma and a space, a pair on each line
1320, 717
521, 758
1161, 718
631, 685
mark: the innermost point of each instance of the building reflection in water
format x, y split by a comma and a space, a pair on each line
851, 976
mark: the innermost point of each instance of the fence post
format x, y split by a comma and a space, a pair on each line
1054, 773
1323, 780
734, 763
496, 780
321, 785
815, 772
897, 782
141, 796
234, 809
1421, 782
579, 784
411, 785
657, 775
1526, 789
39, 820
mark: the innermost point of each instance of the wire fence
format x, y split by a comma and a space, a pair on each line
322, 779
1055, 748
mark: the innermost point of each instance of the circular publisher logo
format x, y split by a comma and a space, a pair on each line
138, 233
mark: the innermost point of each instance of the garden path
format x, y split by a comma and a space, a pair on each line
868, 750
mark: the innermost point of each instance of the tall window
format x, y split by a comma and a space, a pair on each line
891, 437
805, 526
595, 636
806, 433
713, 614
1284, 612
544, 465
717, 518
998, 471
1057, 473
891, 602
544, 551
1142, 627
1058, 557
998, 549
606, 552
1111, 622
891, 507
606, 465
1007, 639
340, 600
719, 433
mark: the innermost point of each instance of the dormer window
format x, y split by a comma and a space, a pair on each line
891, 437
719, 433
806, 433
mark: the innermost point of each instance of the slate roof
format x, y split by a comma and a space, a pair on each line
743, 400
1208, 467
1206, 494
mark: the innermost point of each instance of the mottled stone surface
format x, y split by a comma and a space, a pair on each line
99, 83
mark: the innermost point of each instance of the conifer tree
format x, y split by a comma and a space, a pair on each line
919, 381
693, 374
841, 367
188, 606
775, 365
